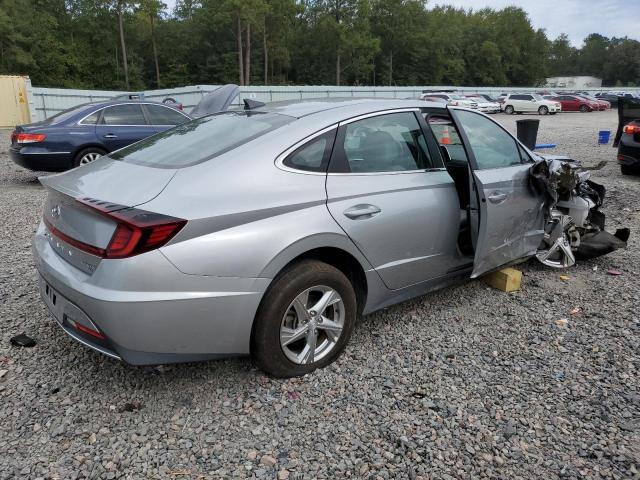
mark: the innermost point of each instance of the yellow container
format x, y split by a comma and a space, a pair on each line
14, 104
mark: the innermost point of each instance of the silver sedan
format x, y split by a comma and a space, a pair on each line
267, 231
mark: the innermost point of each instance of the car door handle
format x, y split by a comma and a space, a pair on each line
497, 197
110, 135
361, 211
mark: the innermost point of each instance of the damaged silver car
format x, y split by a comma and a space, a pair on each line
268, 231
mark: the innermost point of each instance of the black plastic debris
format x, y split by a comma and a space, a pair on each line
600, 243
22, 340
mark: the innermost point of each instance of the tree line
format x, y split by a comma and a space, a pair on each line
138, 44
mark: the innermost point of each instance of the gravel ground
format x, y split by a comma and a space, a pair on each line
468, 382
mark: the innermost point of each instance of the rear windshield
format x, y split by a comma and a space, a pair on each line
200, 140
64, 115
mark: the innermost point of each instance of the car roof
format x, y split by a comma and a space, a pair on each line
110, 103
342, 106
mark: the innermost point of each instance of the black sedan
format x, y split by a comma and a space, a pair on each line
628, 135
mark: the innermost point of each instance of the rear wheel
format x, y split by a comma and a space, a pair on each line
509, 110
87, 155
543, 110
584, 108
304, 321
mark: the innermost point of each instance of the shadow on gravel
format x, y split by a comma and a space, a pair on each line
26, 181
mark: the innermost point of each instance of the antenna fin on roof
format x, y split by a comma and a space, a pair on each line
252, 104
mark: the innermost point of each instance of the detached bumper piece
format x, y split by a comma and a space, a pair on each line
600, 243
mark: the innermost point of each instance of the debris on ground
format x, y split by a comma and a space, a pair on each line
614, 272
23, 340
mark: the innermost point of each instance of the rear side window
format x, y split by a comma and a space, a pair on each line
200, 140
91, 119
385, 143
127, 114
314, 155
159, 115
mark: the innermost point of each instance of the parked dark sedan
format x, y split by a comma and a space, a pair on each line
81, 134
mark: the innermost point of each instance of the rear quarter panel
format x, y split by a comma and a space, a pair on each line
247, 217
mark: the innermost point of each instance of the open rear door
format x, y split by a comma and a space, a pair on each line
509, 212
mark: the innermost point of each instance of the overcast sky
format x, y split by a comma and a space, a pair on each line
576, 18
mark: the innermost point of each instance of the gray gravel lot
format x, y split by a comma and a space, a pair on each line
468, 382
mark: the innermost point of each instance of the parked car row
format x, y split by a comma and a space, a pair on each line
483, 103
543, 103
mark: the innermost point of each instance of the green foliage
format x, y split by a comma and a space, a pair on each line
76, 43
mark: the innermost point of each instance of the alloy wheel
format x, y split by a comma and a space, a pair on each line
312, 325
89, 157
556, 251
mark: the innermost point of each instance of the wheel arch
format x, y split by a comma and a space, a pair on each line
332, 249
76, 150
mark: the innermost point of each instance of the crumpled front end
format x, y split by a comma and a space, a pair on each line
575, 228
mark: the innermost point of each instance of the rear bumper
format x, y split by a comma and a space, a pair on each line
40, 159
148, 311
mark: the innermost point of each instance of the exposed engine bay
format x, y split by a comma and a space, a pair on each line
575, 226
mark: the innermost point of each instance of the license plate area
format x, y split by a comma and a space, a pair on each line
52, 299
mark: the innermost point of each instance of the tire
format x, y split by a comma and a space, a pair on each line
629, 170
509, 110
277, 315
552, 113
543, 110
584, 109
87, 155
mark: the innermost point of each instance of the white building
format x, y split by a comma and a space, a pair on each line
573, 82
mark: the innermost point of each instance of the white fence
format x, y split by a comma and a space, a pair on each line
45, 102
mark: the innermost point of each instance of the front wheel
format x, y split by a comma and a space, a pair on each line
304, 321
509, 110
543, 110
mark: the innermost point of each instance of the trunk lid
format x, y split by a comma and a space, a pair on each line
111, 181
117, 185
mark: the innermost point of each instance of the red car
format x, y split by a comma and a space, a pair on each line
601, 104
574, 103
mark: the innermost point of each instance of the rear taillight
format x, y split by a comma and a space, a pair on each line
27, 137
631, 129
137, 231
